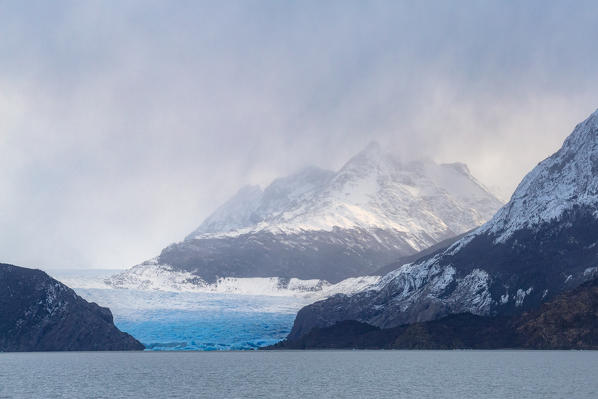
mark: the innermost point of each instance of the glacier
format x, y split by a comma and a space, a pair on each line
155, 276
231, 314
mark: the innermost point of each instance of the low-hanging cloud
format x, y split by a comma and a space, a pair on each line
123, 124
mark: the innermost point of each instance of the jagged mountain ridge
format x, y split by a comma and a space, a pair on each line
373, 190
333, 225
561, 182
539, 244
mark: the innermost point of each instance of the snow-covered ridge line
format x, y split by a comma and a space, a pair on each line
557, 184
157, 277
373, 190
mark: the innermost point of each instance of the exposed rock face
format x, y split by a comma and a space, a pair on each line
319, 224
570, 321
38, 313
461, 331
541, 243
331, 256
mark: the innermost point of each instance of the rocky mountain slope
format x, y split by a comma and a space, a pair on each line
541, 243
570, 321
319, 224
38, 313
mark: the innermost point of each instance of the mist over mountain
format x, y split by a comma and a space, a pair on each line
539, 244
321, 224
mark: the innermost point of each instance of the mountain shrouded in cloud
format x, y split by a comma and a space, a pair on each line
118, 121
541, 243
320, 224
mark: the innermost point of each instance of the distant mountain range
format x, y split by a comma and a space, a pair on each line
320, 224
541, 243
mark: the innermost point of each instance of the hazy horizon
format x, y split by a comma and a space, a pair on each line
124, 124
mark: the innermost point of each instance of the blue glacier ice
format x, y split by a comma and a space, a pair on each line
198, 321
165, 319
195, 330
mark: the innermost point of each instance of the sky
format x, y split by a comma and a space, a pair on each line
123, 124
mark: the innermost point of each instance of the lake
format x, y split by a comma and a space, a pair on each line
301, 374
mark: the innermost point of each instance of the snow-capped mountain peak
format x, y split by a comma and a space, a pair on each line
321, 224
373, 190
567, 179
235, 213
370, 158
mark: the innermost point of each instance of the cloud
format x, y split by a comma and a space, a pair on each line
123, 124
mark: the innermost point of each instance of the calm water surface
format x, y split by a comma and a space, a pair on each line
309, 374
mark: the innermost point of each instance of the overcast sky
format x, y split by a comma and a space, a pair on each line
124, 123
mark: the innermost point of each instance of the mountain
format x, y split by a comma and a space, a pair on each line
373, 190
541, 243
320, 224
38, 313
570, 321
436, 248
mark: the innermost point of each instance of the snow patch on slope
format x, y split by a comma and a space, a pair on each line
413, 282
521, 294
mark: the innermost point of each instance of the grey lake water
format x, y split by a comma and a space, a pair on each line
301, 374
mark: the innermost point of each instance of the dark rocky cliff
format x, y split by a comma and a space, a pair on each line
531, 267
569, 321
38, 313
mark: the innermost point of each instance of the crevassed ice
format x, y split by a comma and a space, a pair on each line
153, 276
